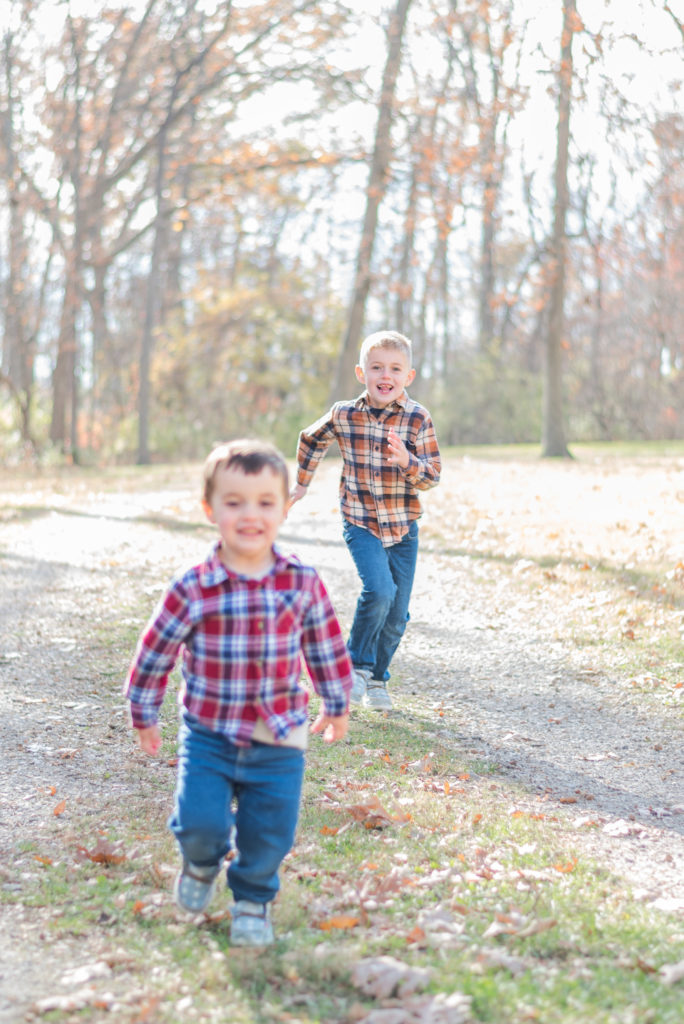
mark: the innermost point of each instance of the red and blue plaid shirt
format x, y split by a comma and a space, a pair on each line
374, 494
243, 643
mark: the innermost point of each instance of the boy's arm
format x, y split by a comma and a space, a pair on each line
154, 660
312, 445
328, 663
425, 466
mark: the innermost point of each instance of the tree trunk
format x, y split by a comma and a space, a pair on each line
375, 191
64, 424
553, 429
151, 309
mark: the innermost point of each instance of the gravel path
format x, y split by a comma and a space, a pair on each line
519, 695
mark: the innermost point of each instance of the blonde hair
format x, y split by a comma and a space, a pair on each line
247, 455
385, 339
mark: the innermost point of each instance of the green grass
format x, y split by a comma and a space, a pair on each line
531, 928
456, 840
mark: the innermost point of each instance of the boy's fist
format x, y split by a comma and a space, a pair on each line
399, 453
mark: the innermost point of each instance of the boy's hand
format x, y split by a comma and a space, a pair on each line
332, 728
149, 739
297, 492
399, 453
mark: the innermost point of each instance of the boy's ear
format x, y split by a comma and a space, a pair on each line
411, 377
208, 510
358, 370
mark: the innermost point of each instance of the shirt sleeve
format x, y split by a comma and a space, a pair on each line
425, 466
312, 445
156, 656
325, 652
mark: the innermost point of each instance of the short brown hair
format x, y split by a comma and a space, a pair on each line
250, 456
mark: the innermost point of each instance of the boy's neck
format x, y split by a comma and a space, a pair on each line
247, 567
379, 408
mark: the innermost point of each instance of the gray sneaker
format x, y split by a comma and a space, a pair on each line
194, 887
377, 696
251, 924
361, 678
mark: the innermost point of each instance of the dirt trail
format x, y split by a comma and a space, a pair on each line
519, 691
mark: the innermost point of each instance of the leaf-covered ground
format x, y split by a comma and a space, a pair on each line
544, 646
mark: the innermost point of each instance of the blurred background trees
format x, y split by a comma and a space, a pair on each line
204, 206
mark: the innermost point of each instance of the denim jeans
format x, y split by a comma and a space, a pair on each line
251, 793
382, 609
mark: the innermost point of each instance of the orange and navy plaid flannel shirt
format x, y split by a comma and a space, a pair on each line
374, 494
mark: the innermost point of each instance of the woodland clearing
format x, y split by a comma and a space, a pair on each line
540, 683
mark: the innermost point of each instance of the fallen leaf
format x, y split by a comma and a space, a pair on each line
60, 808
103, 852
341, 921
371, 814
672, 973
86, 972
384, 976
567, 867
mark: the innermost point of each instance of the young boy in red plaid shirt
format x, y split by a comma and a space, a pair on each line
244, 618
389, 451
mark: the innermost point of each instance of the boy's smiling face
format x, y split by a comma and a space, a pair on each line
248, 509
386, 373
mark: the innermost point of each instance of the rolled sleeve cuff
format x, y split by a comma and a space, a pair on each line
142, 717
304, 476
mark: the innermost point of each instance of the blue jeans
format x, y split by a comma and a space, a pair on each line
251, 791
382, 609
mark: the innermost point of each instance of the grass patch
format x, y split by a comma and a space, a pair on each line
407, 846
405, 849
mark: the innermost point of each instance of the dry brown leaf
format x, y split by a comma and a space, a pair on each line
672, 973
371, 814
103, 852
423, 1009
384, 976
59, 809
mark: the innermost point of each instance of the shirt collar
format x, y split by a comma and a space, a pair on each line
363, 402
213, 571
